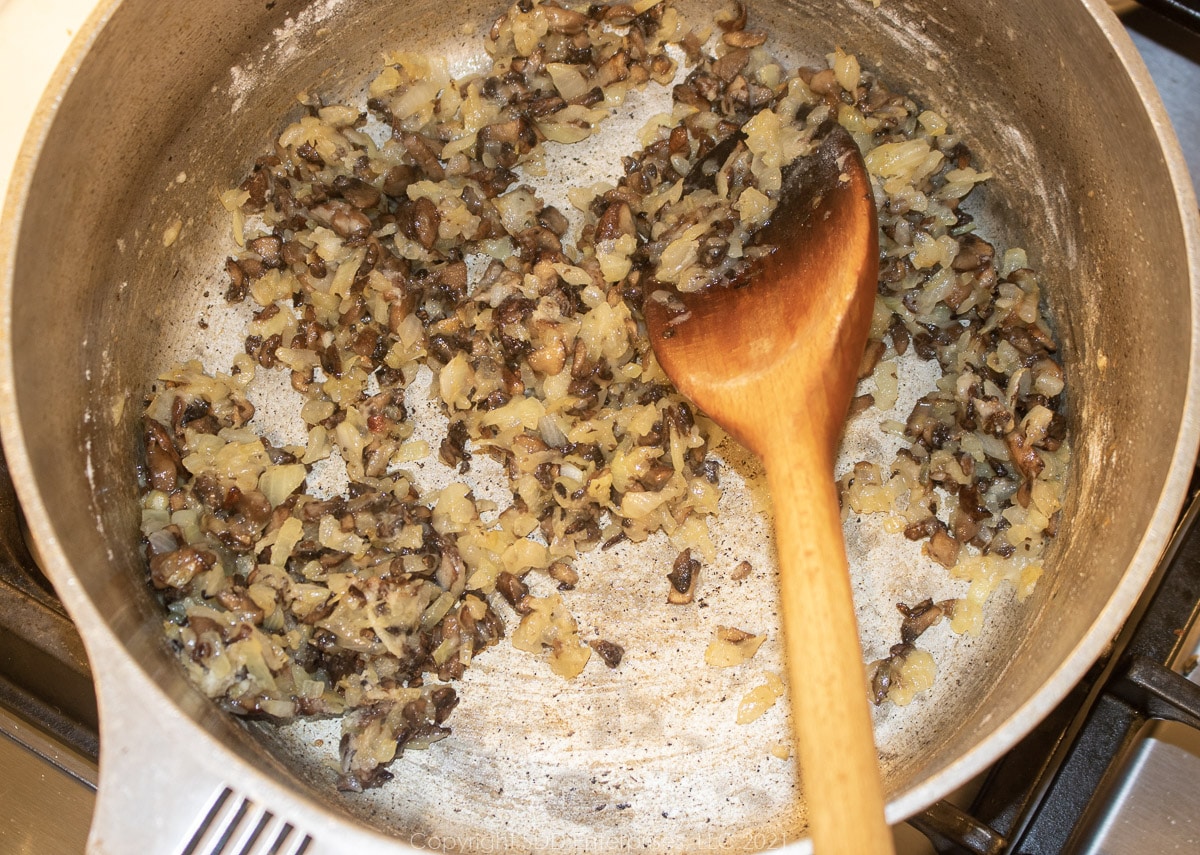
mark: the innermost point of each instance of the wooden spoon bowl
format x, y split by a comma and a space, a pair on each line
775, 363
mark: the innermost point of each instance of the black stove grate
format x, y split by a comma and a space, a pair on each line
1186, 12
44, 673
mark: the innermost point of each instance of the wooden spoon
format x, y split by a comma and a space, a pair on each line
775, 363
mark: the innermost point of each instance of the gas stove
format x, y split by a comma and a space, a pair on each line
1111, 770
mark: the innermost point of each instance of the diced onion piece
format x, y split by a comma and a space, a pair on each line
760, 699
731, 647
279, 482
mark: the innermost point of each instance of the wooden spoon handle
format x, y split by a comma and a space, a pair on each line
826, 678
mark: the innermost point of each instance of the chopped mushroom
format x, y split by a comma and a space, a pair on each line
682, 577
921, 617
611, 653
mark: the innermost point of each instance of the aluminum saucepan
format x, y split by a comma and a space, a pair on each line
158, 107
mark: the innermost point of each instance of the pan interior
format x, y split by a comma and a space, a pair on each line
171, 107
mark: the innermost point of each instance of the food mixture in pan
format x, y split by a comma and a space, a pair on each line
395, 252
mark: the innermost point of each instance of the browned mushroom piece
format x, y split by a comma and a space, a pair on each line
162, 458
611, 653
683, 577
921, 617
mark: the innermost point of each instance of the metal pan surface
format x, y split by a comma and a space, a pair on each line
647, 756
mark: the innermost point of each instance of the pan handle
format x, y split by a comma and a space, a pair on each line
162, 790
152, 796
170, 785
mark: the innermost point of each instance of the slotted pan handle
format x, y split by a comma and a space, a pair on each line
171, 786
159, 792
